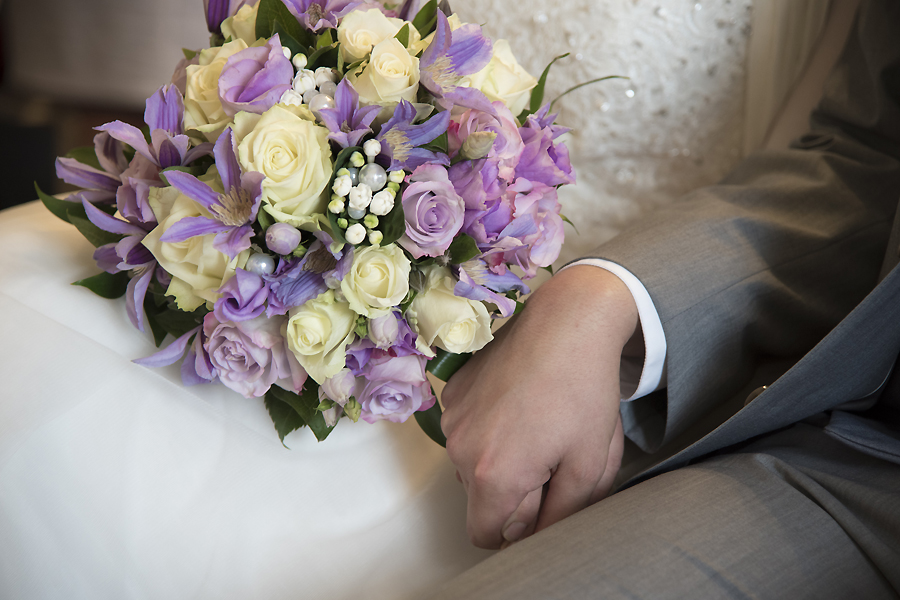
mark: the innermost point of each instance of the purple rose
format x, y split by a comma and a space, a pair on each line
340, 387
433, 211
243, 297
534, 237
508, 145
254, 79
396, 387
250, 356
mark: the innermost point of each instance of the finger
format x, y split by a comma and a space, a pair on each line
613, 463
569, 490
523, 520
492, 499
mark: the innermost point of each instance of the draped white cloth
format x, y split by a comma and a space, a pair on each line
118, 482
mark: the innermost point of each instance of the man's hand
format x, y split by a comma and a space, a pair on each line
540, 405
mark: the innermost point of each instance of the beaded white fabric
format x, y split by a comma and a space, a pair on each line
676, 124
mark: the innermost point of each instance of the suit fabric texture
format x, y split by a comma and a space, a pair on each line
784, 276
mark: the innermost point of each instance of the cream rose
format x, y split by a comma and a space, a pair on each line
503, 79
293, 154
391, 75
242, 26
362, 30
377, 281
448, 321
198, 270
202, 108
318, 333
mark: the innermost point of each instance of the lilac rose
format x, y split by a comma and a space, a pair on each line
249, 356
433, 212
396, 387
254, 79
507, 146
543, 160
243, 297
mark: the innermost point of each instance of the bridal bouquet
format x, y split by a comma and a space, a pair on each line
325, 204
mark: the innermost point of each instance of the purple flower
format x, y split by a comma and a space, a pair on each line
339, 388
282, 238
383, 330
347, 122
488, 211
218, 10
243, 297
296, 281
233, 212
451, 56
400, 139
195, 369
433, 212
478, 282
320, 14
508, 145
396, 387
534, 237
250, 356
542, 160
253, 80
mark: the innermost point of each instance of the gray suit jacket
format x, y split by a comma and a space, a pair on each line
772, 277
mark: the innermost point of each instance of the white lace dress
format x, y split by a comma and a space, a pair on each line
118, 482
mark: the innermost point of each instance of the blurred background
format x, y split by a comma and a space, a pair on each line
67, 66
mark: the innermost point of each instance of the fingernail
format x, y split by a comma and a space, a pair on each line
514, 531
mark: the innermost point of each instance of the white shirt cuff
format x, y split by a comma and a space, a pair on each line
643, 369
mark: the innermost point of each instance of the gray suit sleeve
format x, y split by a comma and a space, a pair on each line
763, 265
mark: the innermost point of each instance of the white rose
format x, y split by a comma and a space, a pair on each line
202, 107
198, 270
294, 155
362, 30
242, 26
378, 280
391, 75
504, 79
448, 321
318, 333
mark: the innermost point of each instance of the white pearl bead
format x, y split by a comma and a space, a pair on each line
319, 102
356, 213
374, 176
261, 264
353, 172
328, 88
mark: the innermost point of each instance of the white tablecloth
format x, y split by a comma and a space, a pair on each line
118, 482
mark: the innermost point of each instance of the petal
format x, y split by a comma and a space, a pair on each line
109, 223
226, 161
192, 187
189, 227
81, 175
165, 110
170, 354
469, 51
130, 135
232, 241
110, 153
134, 297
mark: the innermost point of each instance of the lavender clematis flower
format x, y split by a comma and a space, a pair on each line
542, 160
478, 282
233, 212
400, 138
316, 15
347, 122
451, 56
196, 368
253, 80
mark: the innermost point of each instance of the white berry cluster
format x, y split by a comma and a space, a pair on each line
314, 88
363, 192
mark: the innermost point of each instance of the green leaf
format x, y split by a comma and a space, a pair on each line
439, 144
271, 12
430, 422
264, 219
581, 85
445, 364
462, 248
549, 269
106, 285
288, 40
566, 219
327, 56
403, 35
305, 405
393, 224
284, 417
58, 207
537, 94
319, 428
426, 19
177, 322
519, 307
86, 155
151, 310
324, 40
189, 54
91, 232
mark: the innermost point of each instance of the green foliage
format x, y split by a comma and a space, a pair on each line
430, 422
393, 224
91, 232
325, 39
326, 56
403, 35
290, 411
188, 53
581, 85
272, 14
537, 94
445, 364
426, 19
58, 207
288, 40
462, 248
106, 285
86, 155
566, 220
177, 322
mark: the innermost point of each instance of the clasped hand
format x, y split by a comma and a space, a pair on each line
532, 421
